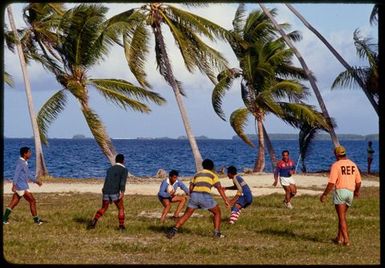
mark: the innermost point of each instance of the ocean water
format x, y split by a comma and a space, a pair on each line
83, 159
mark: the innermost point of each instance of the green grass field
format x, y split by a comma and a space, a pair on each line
266, 233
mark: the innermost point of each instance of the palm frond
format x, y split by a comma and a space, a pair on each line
346, 78
8, 79
121, 92
365, 49
196, 24
136, 50
374, 15
238, 121
219, 92
49, 112
239, 19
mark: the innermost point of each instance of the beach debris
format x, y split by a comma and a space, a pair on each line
161, 174
247, 170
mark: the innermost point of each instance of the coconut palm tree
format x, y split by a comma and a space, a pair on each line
373, 19
269, 82
366, 50
41, 169
83, 40
308, 73
186, 29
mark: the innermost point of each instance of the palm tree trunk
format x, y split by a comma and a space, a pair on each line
169, 76
99, 132
310, 76
337, 55
260, 161
270, 148
41, 169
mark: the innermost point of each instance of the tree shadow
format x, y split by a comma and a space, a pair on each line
291, 235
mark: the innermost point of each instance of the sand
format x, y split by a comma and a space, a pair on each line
260, 184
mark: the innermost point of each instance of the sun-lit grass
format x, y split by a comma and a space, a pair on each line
266, 233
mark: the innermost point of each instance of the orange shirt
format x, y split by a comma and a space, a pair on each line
344, 174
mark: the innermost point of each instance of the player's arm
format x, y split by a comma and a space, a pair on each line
183, 187
276, 171
328, 188
222, 193
122, 185
358, 184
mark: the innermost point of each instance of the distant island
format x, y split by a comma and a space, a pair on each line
319, 137
79, 137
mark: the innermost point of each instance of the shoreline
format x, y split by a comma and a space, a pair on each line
259, 183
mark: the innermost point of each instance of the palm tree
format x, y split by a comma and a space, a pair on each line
269, 82
350, 69
41, 169
368, 74
308, 73
185, 28
83, 39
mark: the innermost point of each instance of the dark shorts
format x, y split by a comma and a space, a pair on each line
245, 200
201, 201
162, 198
111, 197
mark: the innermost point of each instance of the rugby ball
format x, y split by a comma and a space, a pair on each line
170, 189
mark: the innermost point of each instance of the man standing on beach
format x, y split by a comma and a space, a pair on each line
113, 191
346, 179
200, 198
284, 170
20, 186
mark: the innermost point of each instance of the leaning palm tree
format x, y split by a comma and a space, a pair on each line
349, 68
41, 169
269, 81
186, 29
366, 50
83, 41
308, 73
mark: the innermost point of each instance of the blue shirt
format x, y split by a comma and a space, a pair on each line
22, 175
245, 188
166, 182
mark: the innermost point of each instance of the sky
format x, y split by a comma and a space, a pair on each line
349, 107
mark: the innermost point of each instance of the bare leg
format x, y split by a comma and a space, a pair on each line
187, 214
32, 203
293, 190
287, 194
369, 164
14, 201
343, 234
182, 201
167, 206
217, 217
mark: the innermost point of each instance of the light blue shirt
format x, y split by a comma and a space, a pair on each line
163, 188
22, 175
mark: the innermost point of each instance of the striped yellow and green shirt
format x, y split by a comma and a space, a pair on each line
204, 180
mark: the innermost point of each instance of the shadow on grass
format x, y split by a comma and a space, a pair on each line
164, 229
81, 220
290, 234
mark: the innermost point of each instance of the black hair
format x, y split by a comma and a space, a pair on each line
285, 151
208, 164
173, 173
232, 170
24, 150
370, 142
119, 158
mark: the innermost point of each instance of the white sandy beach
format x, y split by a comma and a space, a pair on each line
260, 184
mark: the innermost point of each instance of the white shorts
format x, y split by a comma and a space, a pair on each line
286, 181
22, 192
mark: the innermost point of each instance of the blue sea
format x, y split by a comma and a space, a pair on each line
82, 158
